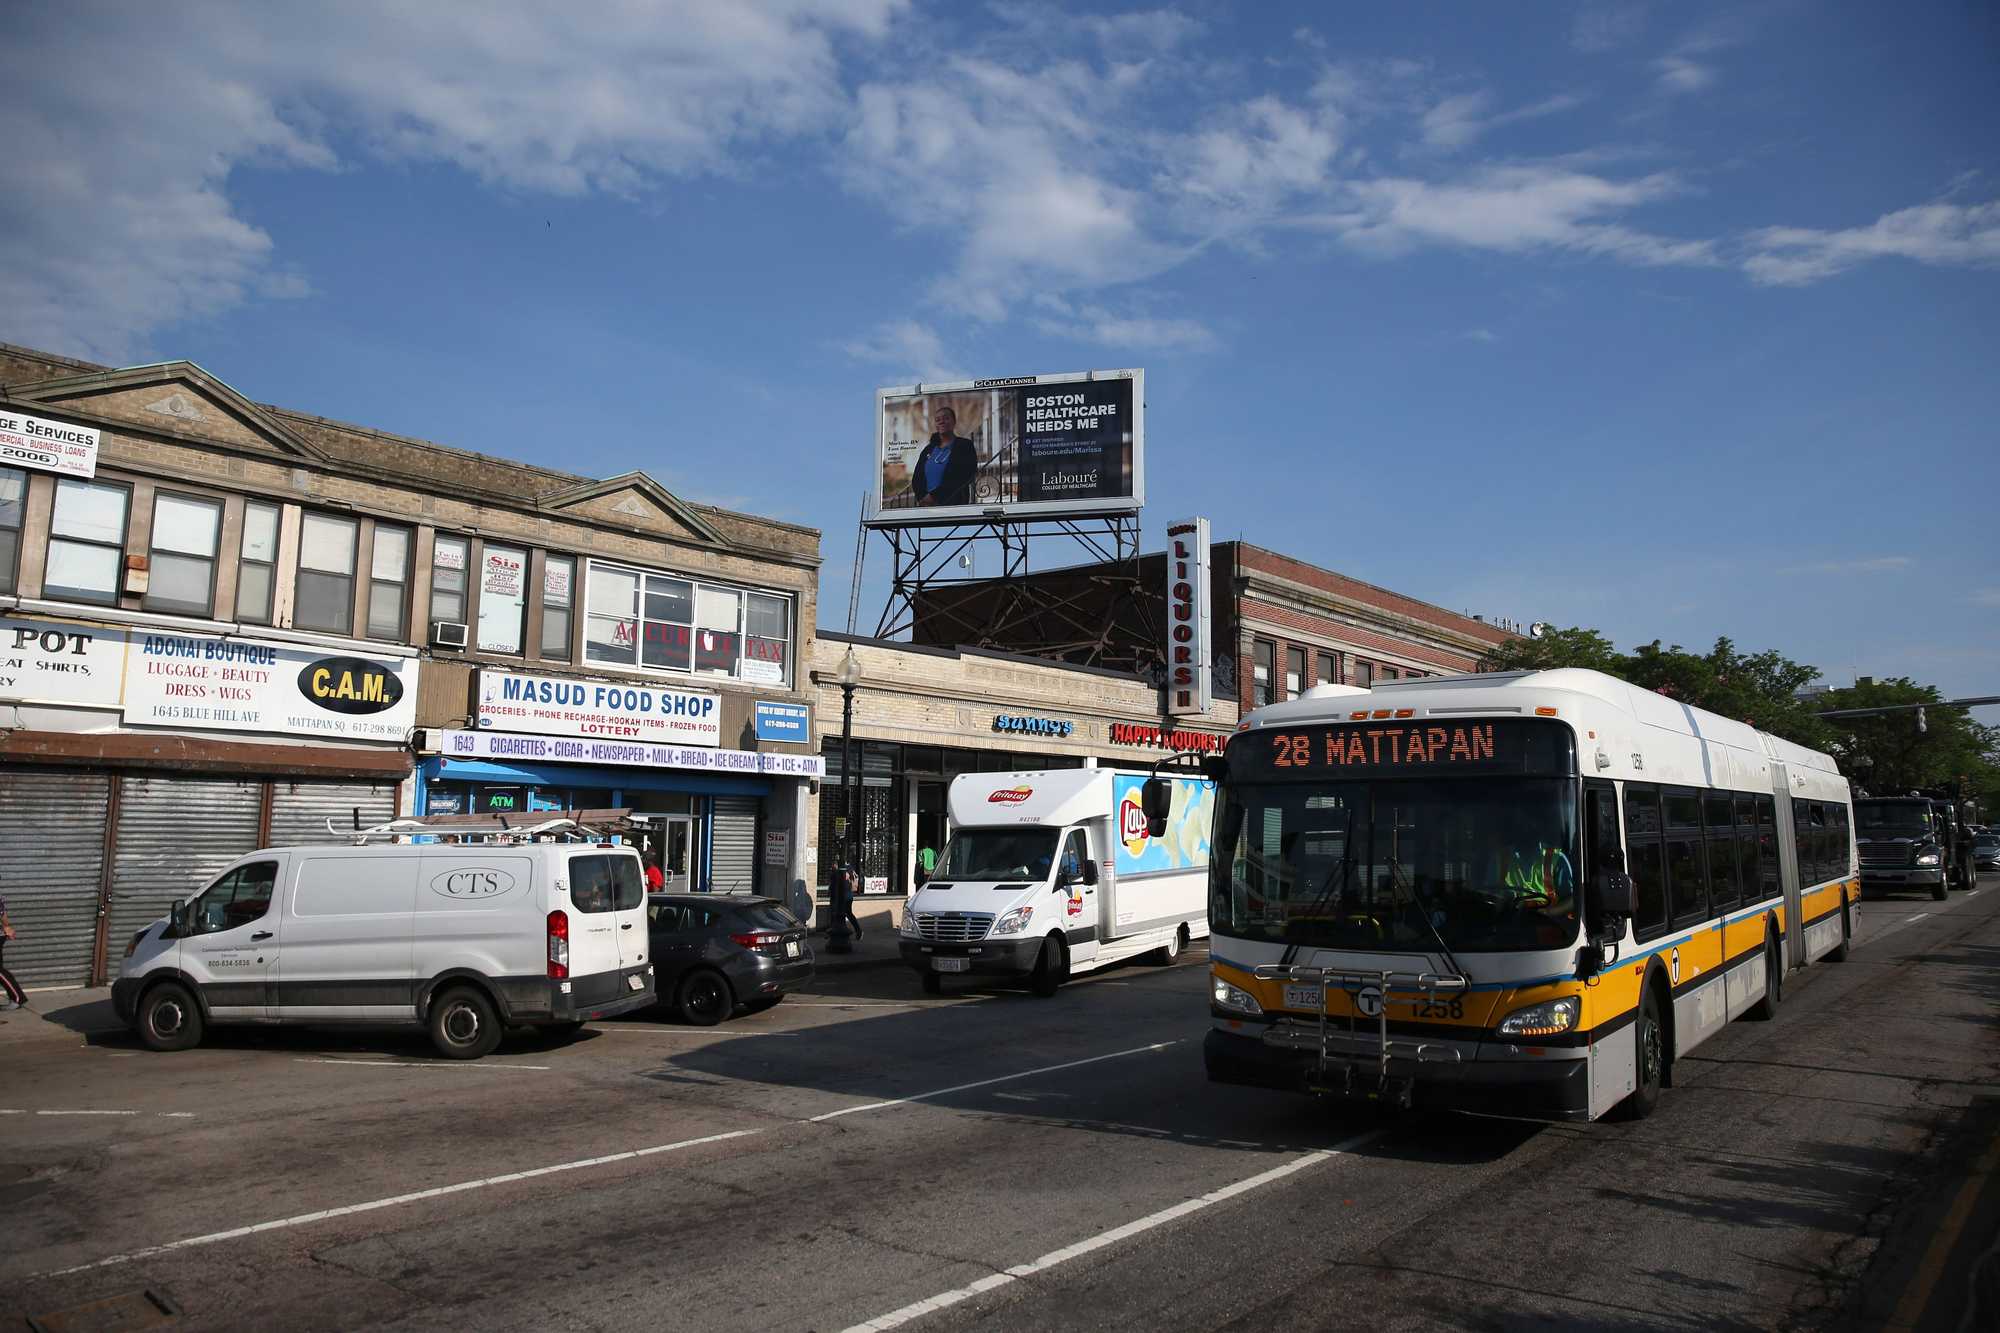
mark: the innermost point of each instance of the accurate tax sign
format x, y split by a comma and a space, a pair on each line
47, 446
1190, 661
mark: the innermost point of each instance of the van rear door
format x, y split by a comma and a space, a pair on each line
629, 881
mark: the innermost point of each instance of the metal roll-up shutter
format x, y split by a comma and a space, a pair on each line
51, 868
733, 856
173, 835
299, 810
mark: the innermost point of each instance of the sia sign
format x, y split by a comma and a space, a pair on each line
1190, 667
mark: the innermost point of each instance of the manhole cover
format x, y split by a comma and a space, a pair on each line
113, 1314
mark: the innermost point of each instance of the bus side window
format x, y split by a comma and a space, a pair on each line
1718, 826
1687, 868
1767, 847
1606, 854
1843, 843
1746, 847
1644, 859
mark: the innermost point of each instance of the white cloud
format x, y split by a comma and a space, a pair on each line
1458, 120
1480, 336
1512, 209
1600, 27
908, 349
1137, 331
1678, 74
1959, 235
1985, 597
1881, 564
1251, 161
120, 220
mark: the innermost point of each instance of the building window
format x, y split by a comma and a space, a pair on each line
325, 598
1263, 664
1364, 674
257, 563
448, 579
1329, 669
1390, 673
388, 583
503, 600
664, 623
181, 576
13, 498
1295, 672
558, 579
87, 541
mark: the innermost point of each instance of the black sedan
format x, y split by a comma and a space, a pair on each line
715, 954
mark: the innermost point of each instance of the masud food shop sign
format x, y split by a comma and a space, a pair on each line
619, 710
203, 682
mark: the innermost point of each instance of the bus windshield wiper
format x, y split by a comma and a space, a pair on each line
1336, 878
1423, 909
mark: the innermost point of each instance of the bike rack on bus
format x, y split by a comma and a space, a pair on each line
1353, 983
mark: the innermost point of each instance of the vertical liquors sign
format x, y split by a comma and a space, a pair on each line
1190, 661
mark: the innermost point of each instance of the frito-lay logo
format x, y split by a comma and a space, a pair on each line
1132, 826
350, 685
1011, 796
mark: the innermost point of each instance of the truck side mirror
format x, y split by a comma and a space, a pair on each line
1090, 872
1156, 800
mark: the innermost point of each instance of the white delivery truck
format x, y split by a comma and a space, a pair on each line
462, 938
1052, 873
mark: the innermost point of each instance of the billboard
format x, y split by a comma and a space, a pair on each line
1022, 447
1184, 846
1190, 660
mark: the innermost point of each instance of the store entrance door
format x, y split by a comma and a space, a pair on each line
677, 851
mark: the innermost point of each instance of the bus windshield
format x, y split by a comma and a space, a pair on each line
1891, 819
1492, 862
998, 853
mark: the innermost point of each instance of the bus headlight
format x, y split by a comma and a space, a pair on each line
1234, 998
1014, 922
1927, 858
1543, 1020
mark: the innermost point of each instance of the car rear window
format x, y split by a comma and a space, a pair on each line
767, 916
606, 883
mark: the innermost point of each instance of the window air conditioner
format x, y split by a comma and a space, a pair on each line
448, 634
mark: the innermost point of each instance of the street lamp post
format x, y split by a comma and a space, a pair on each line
849, 676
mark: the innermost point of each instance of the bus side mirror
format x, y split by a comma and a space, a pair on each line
1156, 800
1614, 895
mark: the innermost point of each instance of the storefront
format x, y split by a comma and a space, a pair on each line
141, 757
923, 716
721, 818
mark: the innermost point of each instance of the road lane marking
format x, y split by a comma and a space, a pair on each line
1918, 917
169, 1115
349, 1210
691, 1032
1054, 1258
1924, 1284
989, 1082
419, 1064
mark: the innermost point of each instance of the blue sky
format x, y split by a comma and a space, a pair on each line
1671, 320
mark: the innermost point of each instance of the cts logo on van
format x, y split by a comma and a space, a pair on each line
1132, 826
1010, 796
472, 882
350, 685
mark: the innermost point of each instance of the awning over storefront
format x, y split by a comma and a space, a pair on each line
190, 754
440, 768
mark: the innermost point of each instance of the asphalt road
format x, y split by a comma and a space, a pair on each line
864, 1155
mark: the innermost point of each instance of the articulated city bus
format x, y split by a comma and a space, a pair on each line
1522, 893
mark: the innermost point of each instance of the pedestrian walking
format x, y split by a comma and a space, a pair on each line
841, 892
926, 865
11, 994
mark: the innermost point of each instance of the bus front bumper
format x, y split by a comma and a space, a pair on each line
1535, 1089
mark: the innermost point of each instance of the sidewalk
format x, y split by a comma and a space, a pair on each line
877, 946
60, 1015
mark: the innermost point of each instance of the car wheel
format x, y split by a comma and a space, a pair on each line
463, 1025
1649, 1053
169, 1018
1766, 1009
1051, 967
704, 999
933, 984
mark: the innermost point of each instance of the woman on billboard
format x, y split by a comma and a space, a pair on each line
944, 470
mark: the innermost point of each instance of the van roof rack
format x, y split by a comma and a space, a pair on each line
564, 825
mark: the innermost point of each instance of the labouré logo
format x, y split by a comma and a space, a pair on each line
1011, 796
350, 685
469, 882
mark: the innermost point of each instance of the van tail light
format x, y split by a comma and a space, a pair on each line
757, 939
558, 945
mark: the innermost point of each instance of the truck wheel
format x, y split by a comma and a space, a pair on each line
463, 1025
1167, 953
1939, 891
169, 1018
1051, 967
933, 984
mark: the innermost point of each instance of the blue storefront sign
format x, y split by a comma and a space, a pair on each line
784, 722
1033, 726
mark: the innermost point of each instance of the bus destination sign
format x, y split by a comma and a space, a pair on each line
1378, 749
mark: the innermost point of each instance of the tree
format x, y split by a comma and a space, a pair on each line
1887, 754
1573, 647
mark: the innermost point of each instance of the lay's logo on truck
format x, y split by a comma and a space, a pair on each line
1132, 825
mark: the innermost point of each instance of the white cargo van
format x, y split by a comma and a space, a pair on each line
465, 939
1052, 873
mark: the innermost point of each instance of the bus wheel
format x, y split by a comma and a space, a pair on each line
1051, 967
1766, 1009
1838, 953
1650, 1056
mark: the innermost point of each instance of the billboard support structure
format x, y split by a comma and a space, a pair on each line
926, 559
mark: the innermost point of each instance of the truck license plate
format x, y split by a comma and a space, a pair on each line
1303, 997
951, 964
635, 983
791, 948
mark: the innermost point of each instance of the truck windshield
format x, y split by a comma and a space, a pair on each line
998, 853
1358, 865
1897, 819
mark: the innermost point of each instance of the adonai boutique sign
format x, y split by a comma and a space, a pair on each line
202, 682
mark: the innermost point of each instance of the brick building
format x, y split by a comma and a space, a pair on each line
223, 623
